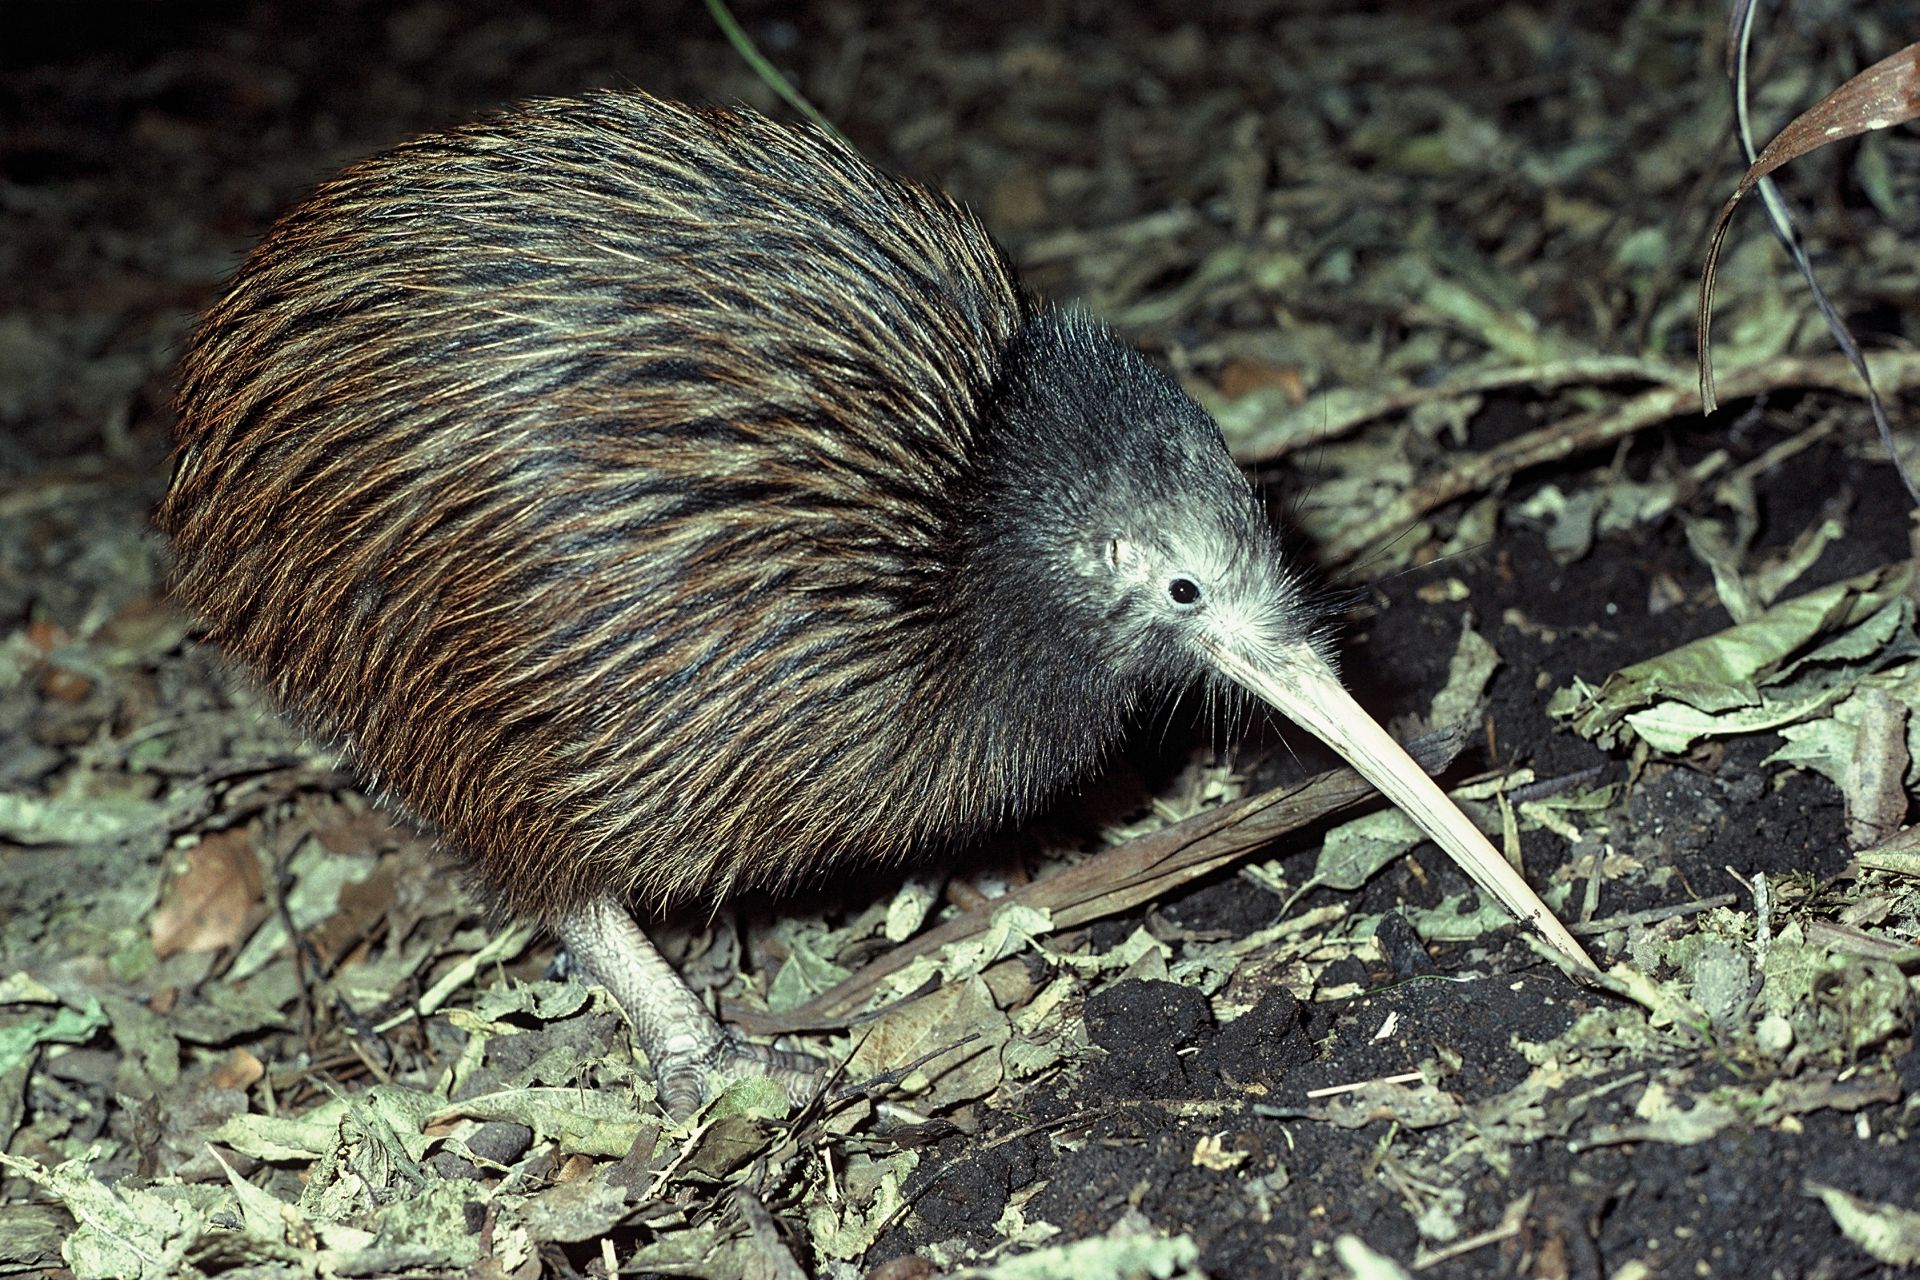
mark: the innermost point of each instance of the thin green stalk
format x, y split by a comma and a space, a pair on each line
750, 52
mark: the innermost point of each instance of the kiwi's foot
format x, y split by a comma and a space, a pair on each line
691, 1053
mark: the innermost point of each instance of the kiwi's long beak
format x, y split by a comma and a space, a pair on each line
1300, 684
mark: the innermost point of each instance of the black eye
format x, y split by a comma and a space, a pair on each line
1183, 591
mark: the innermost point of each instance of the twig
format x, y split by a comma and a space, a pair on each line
1653, 914
1895, 372
776, 1260
1112, 881
1329, 417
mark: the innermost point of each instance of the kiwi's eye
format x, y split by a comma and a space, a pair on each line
1183, 591
1113, 554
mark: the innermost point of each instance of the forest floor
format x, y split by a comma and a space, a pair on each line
1434, 268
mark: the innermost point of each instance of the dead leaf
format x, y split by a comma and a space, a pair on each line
959, 1024
215, 902
1885, 94
240, 1069
1888, 1232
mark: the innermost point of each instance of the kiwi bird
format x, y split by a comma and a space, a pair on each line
657, 502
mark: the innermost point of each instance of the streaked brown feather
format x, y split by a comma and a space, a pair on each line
591, 474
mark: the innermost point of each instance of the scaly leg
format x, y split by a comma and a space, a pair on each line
684, 1043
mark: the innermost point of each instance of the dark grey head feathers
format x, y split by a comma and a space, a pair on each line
1108, 495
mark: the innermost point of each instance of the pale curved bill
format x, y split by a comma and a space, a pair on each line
1301, 685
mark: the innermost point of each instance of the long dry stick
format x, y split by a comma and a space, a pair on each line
1892, 371
1115, 879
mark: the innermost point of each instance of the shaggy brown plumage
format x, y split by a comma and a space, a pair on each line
612, 478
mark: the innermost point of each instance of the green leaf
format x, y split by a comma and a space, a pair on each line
1773, 670
59, 1024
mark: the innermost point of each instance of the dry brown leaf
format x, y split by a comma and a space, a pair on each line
360, 912
215, 901
1885, 94
1242, 377
240, 1069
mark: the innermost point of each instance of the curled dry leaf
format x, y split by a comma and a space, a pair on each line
1885, 94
